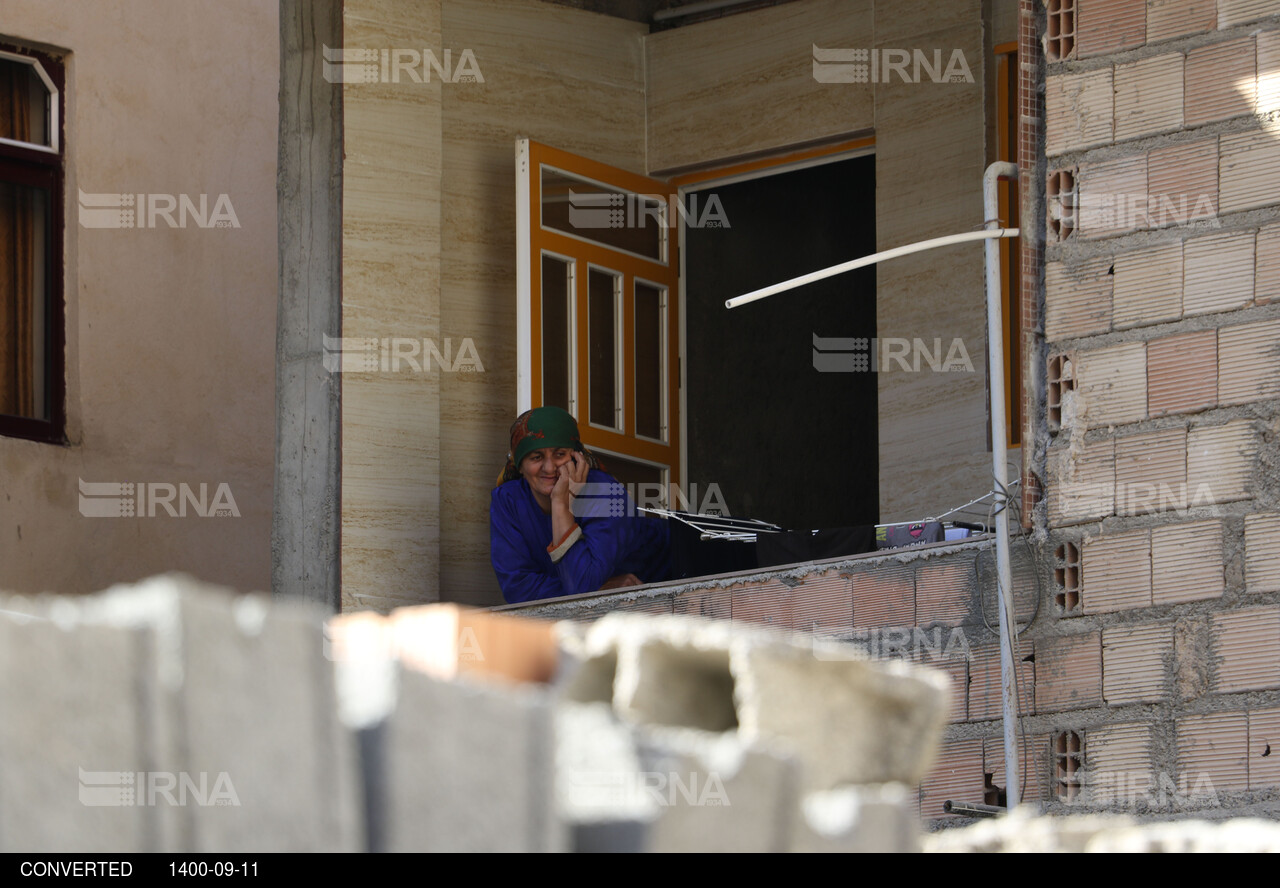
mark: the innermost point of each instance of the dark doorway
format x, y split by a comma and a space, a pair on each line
785, 441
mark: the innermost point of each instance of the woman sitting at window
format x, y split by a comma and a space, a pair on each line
559, 525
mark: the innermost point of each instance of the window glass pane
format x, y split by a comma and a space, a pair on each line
603, 290
557, 290
24, 333
24, 103
619, 219
650, 361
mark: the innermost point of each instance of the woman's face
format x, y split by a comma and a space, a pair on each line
541, 468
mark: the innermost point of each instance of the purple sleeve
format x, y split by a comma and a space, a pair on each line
522, 574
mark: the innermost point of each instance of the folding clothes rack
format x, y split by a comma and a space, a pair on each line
973, 515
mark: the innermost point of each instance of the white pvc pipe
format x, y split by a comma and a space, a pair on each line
999, 469
999, 453
812, 276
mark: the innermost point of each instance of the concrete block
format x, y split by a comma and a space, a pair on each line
878, 819
1220, 461
717, 792
1186, 562
1149, 96
1249, 171
1111, 385
1167, 20
1245, 642
1115, 572
245, 701
1220, 81
1219, 273
1106, 26
1069, 672
847, 719
1151, 472
74, 710
1078, 298
1078, 111
1249, 362
1182, 373
1135, 663
1262, 553
1182, 183
1213, 751
1148, 286
468, 766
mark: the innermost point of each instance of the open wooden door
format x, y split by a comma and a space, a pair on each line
597, 315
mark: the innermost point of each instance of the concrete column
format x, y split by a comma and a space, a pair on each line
306, 520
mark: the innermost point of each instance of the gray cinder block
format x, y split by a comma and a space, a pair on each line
468, 766
848, 719
237, 744
72, 723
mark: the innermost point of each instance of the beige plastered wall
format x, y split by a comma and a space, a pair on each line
170, 332
429, 235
